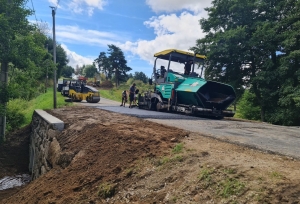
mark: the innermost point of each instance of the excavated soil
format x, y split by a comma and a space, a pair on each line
113, 158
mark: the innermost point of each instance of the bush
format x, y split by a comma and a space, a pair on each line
15, 118
248, 106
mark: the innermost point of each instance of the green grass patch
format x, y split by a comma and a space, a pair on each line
43, 101
178, 148
115, 94
275, 175
230, 186
205, 176
112, 94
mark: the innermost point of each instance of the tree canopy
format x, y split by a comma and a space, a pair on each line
25, 61
140, 76
113, 63
255, 45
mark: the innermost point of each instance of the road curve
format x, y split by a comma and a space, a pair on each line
263, 136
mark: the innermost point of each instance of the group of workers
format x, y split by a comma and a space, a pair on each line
133, 95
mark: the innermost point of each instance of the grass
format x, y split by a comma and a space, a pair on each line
115, 94
221, 182
275, 175
112, 94
205, 176
174, 157
106, 190
43, 101
178, 148
230, 187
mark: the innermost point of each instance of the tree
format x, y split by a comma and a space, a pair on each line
140, 76
118, 63
61, 56
90, 71
13, 22
113, 65
242, 43
103, 65
67, 71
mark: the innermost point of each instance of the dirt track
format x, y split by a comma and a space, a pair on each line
121, 159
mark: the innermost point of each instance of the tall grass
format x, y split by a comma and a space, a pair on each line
43, 101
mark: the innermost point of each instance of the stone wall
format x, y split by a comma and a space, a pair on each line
44, 147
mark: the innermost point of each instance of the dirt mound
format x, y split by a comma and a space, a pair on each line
113, 158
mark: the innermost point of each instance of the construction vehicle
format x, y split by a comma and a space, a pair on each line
81, 91
63, 85
190, 94
96, 82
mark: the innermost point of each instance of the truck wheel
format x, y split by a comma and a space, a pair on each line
152, 106
149, 105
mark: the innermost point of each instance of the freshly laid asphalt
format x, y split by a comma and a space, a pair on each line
263, 136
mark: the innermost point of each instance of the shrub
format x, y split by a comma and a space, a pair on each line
15, 118
248, 106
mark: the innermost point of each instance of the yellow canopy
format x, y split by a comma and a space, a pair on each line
179, 56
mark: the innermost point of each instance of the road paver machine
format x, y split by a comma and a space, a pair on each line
186, 93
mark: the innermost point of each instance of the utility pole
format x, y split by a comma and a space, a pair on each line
46, 80
54, 57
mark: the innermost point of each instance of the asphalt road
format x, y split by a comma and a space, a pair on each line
271, 138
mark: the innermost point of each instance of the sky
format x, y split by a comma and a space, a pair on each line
141, 28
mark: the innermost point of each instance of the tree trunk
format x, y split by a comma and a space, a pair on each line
262, 113
3, 100
117, 78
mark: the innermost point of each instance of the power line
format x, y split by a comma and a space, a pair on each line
34, 11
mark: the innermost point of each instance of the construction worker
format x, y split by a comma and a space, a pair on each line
131, 94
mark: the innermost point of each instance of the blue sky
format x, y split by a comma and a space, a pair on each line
140, 28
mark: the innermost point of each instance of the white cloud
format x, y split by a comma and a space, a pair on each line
53, 2
81, 6
172, 32
76, 59
177, 5
76, 35
78, 6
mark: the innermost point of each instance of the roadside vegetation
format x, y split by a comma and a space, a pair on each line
19, 111
115, 93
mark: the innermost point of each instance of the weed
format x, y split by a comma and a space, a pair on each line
106, 190
178, 148
275, 175
206, 176
177, 158
230, 187
165, 160
229, 171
